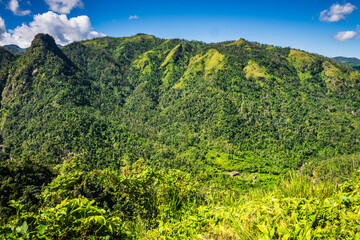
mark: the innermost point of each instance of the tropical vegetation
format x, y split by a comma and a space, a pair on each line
136, 137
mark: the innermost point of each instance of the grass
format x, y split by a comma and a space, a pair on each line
253, 70
297, 208
203, 64
298, 185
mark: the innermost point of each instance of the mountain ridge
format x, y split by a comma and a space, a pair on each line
15, 49
234, 94
352, 62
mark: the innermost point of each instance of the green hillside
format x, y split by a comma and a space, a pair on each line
139, 134
352, 62
15, 49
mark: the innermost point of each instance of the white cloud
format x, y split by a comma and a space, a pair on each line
64, 6
64, 30
134, 17
2, 27
337, 12
14, 7
344, 36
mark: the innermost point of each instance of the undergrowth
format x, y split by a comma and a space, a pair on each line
140, 203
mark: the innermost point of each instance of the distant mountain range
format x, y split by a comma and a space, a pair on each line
15, 49
18, 51
352, 62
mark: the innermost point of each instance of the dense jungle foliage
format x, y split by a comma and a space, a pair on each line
135, 137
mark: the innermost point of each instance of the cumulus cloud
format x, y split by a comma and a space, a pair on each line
2, 27
344, 36
134, 17
15, 8
337, 12
64, 6
64, 30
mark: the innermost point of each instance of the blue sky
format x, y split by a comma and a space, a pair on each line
325, 27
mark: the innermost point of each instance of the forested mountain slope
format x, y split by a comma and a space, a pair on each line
15, 49
352, 62
135, 138
231, 105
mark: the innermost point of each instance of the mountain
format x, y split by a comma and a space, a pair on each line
147, 138
15, 49
183, 104
6, 59
352, 62
44, 98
